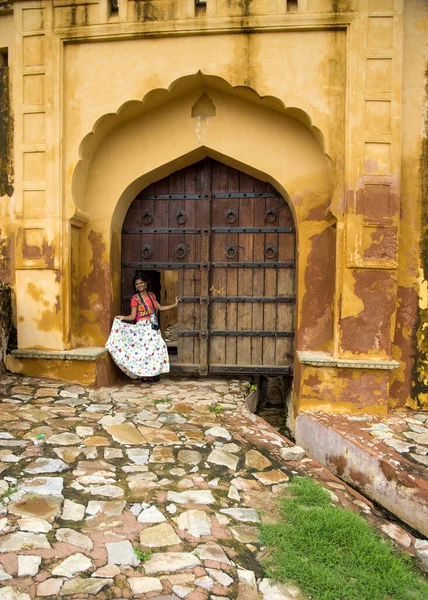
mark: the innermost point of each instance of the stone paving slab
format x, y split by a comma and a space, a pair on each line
150, 492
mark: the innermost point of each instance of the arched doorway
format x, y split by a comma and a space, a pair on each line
223, 241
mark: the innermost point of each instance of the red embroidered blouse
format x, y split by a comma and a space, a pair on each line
144, 309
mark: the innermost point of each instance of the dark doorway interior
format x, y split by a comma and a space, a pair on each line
275, 401
164, 285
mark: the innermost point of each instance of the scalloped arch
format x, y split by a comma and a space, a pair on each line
159, 96
290, 129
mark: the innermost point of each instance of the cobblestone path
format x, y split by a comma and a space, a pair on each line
144, 491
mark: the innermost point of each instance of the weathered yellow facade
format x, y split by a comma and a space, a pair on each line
324, 99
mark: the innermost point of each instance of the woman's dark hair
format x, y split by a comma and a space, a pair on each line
142, 278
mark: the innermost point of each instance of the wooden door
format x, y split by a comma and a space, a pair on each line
231, 239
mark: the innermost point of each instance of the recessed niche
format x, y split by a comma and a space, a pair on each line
204, 107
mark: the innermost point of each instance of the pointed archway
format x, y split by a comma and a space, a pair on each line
225, 243
258, 137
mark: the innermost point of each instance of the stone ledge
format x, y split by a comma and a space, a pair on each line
343, 444
322, 359
87, 354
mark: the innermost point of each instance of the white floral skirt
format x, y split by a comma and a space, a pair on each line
138, 350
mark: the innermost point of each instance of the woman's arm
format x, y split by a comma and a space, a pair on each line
130, 317
161, 308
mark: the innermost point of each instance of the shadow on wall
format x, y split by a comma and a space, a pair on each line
5, 322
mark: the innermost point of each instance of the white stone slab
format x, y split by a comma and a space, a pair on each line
246, 515
212, 551
144, 585
139, 456
72, 511
151, 515
74, 538
171, 562
34, 524
47, 465
76, 563
272, 590
218, 457
42, 486
121, 553
195, 522
28, 565
220, 432
21, 540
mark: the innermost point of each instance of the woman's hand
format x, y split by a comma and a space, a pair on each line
130, 317
161, 308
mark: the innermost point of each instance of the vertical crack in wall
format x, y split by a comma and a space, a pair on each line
145, 10
5, 323
6, 135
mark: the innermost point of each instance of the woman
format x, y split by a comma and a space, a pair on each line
139, 349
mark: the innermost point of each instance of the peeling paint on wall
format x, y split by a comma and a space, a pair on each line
369, 330
6, 258
94, 289
420, 379
343, 390
383, 243
404, 349
316, 322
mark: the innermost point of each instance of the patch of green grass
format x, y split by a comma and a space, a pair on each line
334, 554
9, 492
216, 409
142, 554
251, 387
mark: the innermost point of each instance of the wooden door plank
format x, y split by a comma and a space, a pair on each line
269, 317
284, 345
131, 248
188, 317
218, 276
176, 186
287, 248
286, 287
192, 277
160, 218
284, 352
232, 274
205, 204
258, 275
146, 239
133, 216
245, 276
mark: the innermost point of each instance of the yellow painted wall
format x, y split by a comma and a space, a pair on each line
326, 103
410, 334
6, 199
